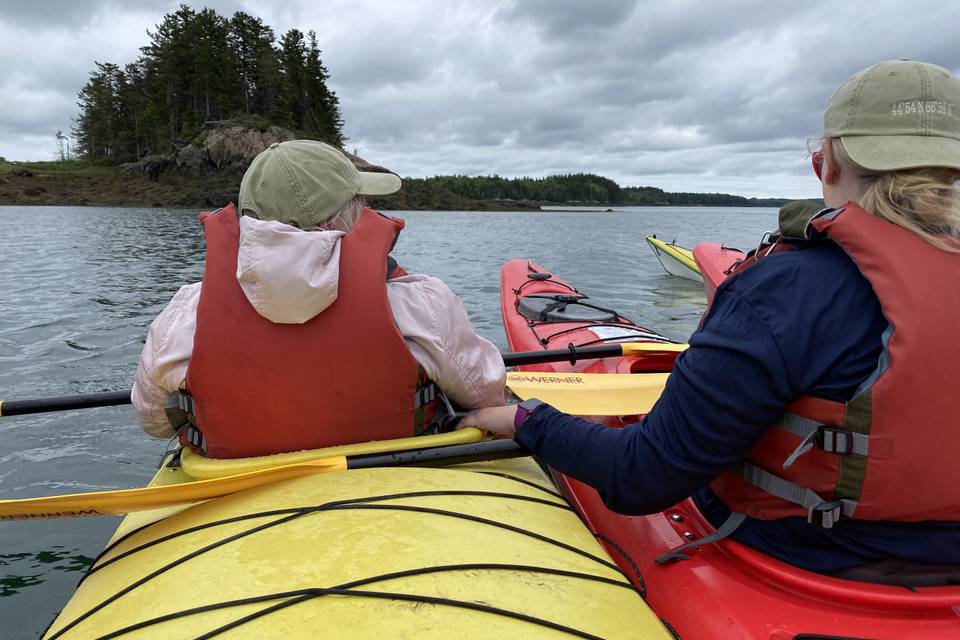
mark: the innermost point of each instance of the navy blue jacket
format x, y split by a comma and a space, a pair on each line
798, 323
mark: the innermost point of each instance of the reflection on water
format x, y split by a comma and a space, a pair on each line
81, 285
41, 562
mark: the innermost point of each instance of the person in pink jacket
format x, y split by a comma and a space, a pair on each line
288, 268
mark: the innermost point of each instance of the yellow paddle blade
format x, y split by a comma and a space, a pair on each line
126, 500
631, 348
590, 394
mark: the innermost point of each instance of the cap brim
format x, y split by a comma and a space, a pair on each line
888, 153
378, 184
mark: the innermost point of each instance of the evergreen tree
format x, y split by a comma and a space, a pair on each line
323, 107
96, 128
198, 67
293, 58
252, 44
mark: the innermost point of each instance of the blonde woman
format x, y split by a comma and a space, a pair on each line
816, 415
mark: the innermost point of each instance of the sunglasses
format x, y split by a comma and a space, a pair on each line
817, 159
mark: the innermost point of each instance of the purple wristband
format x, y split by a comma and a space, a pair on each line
524, 409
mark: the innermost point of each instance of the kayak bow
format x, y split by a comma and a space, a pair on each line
675, 260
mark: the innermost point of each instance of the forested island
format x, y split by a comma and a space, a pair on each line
200, 67
180, 124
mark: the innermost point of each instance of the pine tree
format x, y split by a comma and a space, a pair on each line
323, 107
198, 67
96, 128
293, 60
252, 43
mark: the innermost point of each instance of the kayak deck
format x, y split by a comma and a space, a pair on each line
476, 550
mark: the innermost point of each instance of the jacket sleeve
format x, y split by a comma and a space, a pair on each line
706, 419
163, 362
436, 328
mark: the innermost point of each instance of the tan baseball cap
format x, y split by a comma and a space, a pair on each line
898, 114
304, 182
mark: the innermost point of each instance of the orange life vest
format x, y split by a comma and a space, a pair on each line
890, 452
344, 376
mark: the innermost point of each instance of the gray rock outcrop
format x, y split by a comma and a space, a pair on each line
150, 166
223, 147
236, 146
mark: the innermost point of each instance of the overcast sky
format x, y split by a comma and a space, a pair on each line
687, 96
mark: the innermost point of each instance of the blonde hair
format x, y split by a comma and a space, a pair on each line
925, 200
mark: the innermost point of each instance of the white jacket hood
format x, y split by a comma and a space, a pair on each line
288, 275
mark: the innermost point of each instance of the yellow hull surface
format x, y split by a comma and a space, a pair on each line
482, 550
675, 260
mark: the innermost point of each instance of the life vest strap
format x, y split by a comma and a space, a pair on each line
181, 411
830, 439
731, 524
820, 512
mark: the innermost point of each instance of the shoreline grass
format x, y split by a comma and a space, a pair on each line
74, 167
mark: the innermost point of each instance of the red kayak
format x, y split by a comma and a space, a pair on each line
715, 261
725, 590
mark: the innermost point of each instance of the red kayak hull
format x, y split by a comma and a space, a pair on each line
715, 261
725, 590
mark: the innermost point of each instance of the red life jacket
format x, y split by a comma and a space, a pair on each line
890, 452
343, 376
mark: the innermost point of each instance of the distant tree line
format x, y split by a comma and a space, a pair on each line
579, 187
584, 187
200, 66
656, 196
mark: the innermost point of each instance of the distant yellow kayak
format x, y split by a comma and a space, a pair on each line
479, 550
675, 260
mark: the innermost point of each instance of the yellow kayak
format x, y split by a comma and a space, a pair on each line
478, 550
674, 259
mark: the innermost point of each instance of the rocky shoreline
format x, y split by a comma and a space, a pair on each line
117, 190
198, 192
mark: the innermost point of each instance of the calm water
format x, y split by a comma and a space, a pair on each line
79, 286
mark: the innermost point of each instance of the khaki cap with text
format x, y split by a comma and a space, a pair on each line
898, 114
304, 182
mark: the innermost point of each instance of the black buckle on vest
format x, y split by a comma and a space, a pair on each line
179, 410
195, 438
834, 440
825, 514
425, 395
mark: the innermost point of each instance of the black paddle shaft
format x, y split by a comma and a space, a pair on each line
571, 354
64, 403
442, 456
113, 398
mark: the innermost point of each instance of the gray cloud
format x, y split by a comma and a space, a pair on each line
688, 96
564, 18
44, 14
